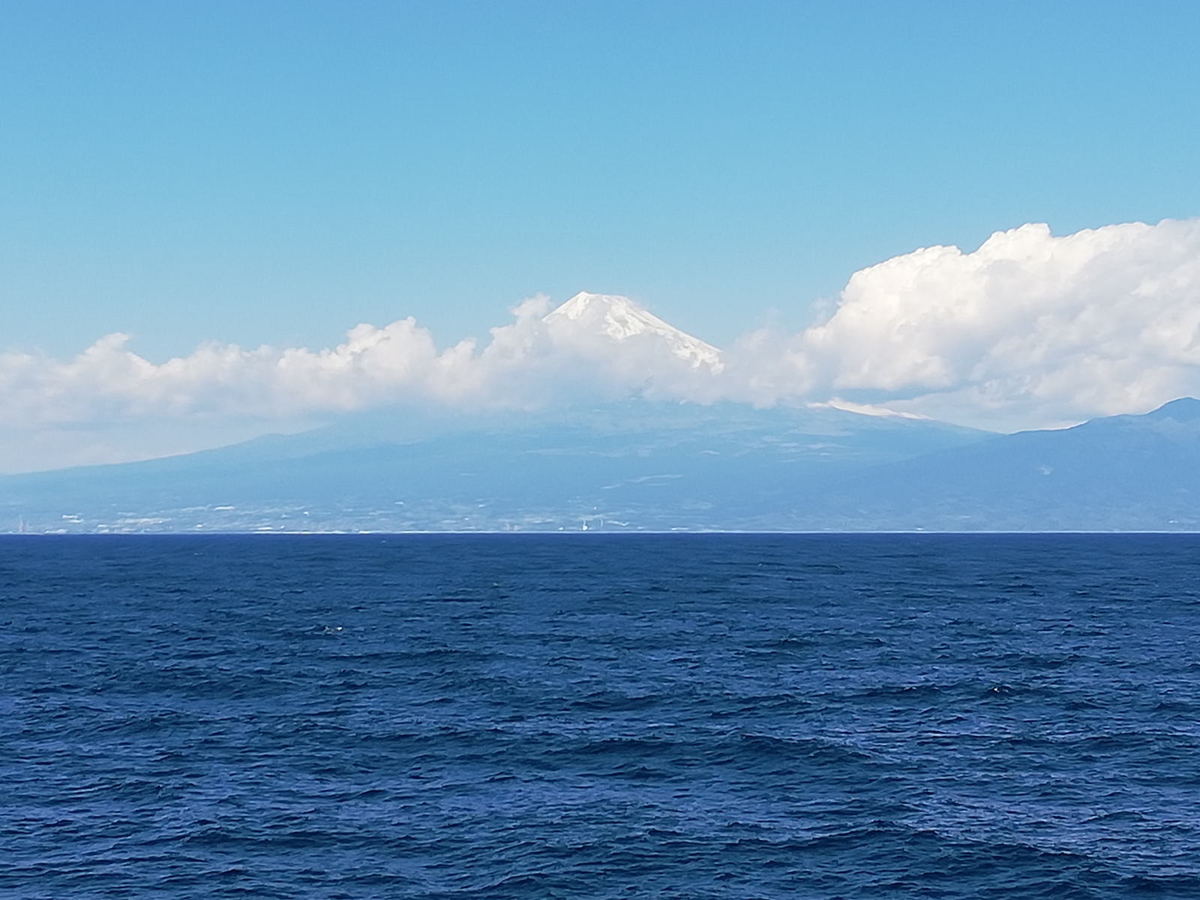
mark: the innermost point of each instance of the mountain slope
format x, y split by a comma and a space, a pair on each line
642, 465
1118, 473
637, 464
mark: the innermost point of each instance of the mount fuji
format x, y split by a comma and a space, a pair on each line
620, 319
632, 465
642, 464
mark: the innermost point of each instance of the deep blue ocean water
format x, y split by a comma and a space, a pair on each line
589, 716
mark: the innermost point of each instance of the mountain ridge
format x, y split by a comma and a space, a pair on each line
640, 465
1114, 473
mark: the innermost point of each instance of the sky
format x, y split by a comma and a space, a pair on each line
270, 174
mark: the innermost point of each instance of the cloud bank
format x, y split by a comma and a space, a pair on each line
1028, 330
528, 363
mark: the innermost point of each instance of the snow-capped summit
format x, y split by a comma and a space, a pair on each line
620, 319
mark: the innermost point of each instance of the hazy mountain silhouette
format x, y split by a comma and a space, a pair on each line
1129, 472
649, 465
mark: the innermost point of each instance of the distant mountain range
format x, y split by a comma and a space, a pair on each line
642, 465
645, 466
1122, 473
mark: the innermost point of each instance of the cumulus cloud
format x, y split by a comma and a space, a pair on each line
1028, 330
527, 363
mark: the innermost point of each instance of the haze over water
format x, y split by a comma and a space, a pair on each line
692, 716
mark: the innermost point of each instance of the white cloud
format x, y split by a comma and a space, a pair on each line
527, 363
1028, 330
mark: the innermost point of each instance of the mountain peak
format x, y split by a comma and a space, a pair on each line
586, 303
1185, 409
620, 318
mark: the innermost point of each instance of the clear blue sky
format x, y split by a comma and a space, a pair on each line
279, 171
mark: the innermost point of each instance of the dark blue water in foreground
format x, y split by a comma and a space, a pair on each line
590, 716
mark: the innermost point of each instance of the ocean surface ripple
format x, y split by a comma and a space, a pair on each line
592, 716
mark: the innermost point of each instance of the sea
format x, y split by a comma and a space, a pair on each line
600, 716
